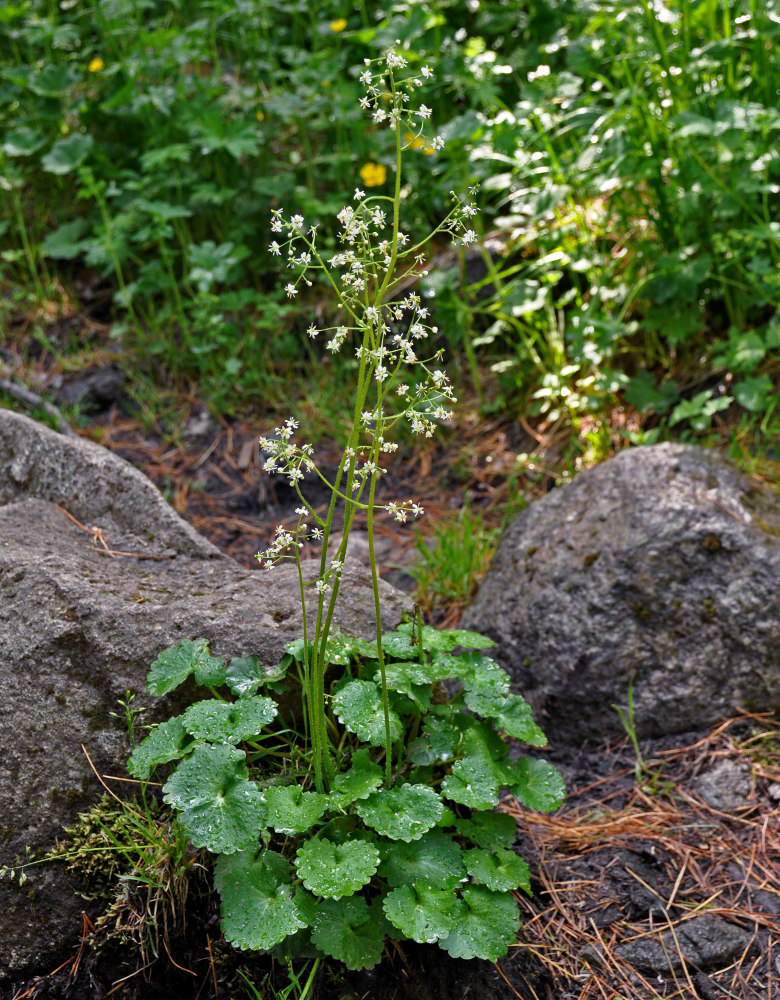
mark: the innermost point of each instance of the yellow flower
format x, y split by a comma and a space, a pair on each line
96, 65
373, 174
259, 116
339, 24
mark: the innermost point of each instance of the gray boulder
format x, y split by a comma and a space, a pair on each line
82, 616
662, 567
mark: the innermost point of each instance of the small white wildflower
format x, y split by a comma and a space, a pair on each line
359, 194
291, 290
427, 72
275, 248
437, 143
296, 221
312, 331
468, 237
402, 389
424, 112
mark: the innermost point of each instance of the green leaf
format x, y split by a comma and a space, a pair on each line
291, 810
347, 931
53, 80
223, 722
22, 142
488, 829
258, 906
475, 780
245, 674
643, 393
500, 871
65, 243
67, 154
358, 783
486, 926
437, 741
434, 859
403, 813
443, 640
336, 870
754, 393
358, 706
537, 784
173, 666
516, 719
163, 744
220, 808
423, 913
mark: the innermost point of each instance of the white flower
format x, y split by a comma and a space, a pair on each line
437, 143
312, 331
424, 112
468, 237
365, 78
291, 290
359, 194
296, 221
275, 248
402, 389
427, 72
538, 73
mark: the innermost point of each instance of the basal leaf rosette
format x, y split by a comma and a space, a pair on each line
422, 912
486, 925
358, 706
226, 722
402, 813
363, 778
219, 808
259, 908
336, 870
348, 931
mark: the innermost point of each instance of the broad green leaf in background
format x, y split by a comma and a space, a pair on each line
336, 870
173, 666
487, 924
401, 813
67, 154
348, 931
65, 243
489, 830
225, 722
258, 906
245, 674
164, 743
23, 142
219, 807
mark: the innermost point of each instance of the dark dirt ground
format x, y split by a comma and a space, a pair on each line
649, 882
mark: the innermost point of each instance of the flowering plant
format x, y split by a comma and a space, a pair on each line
383, 823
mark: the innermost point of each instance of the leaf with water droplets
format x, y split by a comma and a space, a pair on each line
219, 807
423, 913
537, 784
434, 859
291, 810
402, 813
226, 722
488, 829
348, 931
173, 666
259, 907
164, 743
336, 870
500, 871
358, 706
359, 782
487, 924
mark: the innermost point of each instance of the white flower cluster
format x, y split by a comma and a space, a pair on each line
388, 98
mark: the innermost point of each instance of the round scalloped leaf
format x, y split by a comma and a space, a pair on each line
258, 904
487, 924
421, 912
446, 639
163, 744
436, 743
537, 784
488, 829
434, 859
173, 666
336, 870
219, 807
226, 722
358, 706
245, 674
516, 719
359, 782
291, 810
473, 782
403, 813
348, 931
501, 871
